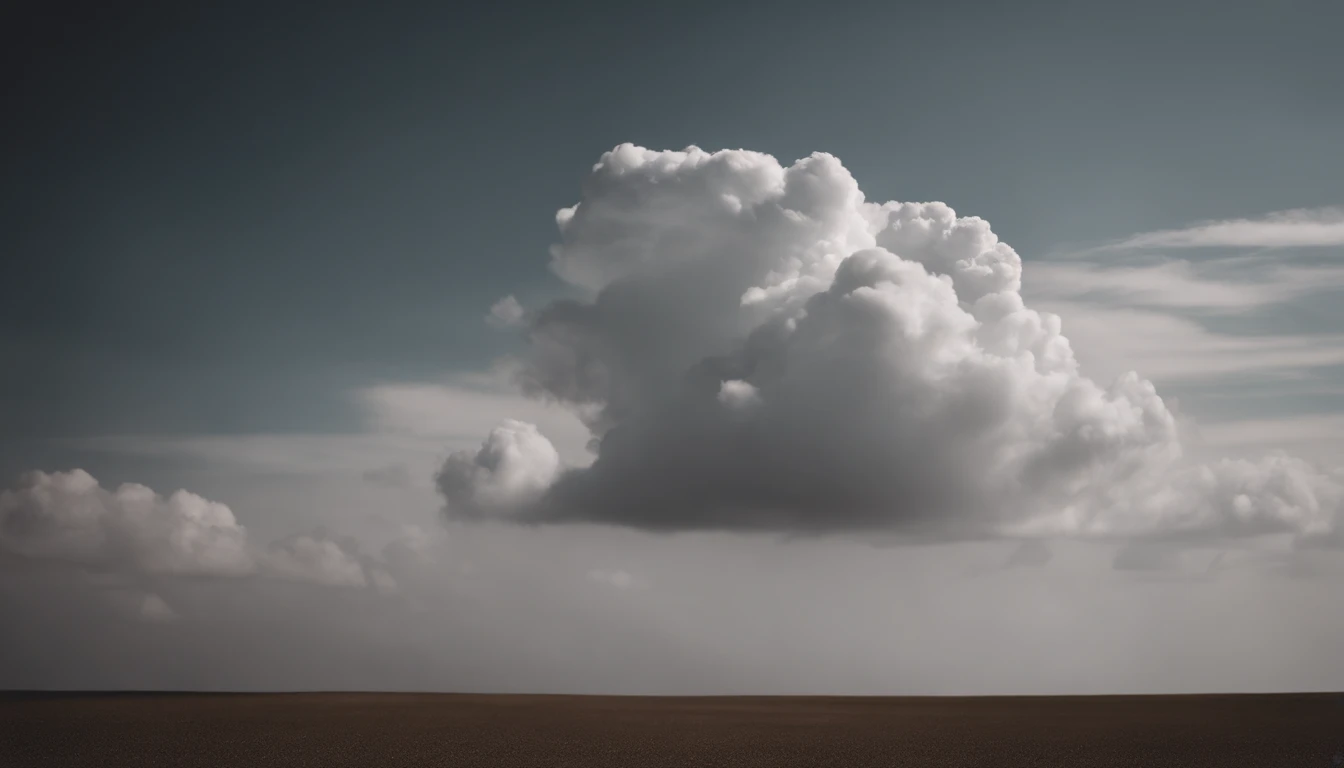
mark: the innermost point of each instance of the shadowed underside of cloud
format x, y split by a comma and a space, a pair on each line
760, 348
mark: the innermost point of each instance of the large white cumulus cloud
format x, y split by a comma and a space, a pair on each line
759, 347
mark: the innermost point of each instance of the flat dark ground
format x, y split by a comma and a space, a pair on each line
330, 730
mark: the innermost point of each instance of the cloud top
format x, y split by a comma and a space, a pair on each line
761, 348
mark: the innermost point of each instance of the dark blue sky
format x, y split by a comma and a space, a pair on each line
226, 220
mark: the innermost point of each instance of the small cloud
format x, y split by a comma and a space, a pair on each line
737, 394
513, 467
424, 414
506, 313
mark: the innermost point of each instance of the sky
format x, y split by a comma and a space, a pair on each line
867, 348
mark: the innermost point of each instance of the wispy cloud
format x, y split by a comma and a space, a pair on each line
1314, 434
282, 453
1168, 348
451, 411
409, 426
1166, 318
1219, 285
1297, 228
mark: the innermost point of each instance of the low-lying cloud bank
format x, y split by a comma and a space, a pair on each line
758, 347
68, 518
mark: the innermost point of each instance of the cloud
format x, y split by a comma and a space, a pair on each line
1199, 324
1111, 341
68, 516
1313, 433
318, 559
738, 394
273, 454
1298, 228
896, 378
512, 469
1220, 285
406, 424
68, 519
459, 411
506, 313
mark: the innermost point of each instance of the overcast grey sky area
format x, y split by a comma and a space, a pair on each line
846, 348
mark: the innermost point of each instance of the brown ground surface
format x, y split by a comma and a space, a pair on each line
331, 730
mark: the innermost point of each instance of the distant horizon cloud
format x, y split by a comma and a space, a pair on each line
69, 516
896, 378
70, 519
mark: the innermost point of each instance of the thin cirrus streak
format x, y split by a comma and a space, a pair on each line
1225, 285
1168, 347
1296, 228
